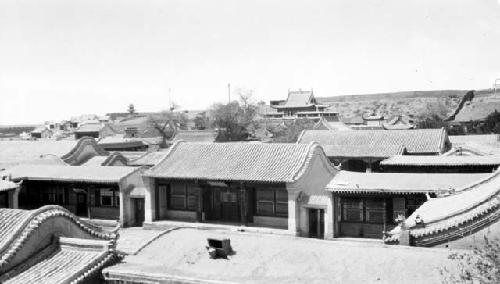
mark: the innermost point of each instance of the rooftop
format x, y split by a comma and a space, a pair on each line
92, 174
89, 127
241, 161
196, 135
442, 161
7, 185
355, 182
297, 99
430, 141
150, 159
18, 152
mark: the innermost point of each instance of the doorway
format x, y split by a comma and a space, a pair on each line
317, 223
81, 204
4, 200
139, 211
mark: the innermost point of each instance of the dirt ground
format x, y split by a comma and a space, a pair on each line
262, 258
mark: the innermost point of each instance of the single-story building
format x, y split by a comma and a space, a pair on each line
441, 164
41, 132
368, 204
256, 184
119, 143
459, 220
363, 150
8, 194
99, 192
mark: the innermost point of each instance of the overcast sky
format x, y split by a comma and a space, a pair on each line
61, 58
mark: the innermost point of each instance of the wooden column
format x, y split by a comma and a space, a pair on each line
243, 204
88, 202
385, 216
199, 214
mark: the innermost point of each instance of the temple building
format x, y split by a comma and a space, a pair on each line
51, 245
255, 184
300, 104
364, 150
368, 204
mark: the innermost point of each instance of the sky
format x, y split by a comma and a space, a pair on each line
61, 58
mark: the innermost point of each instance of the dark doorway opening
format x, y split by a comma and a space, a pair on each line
139, 211
317, 223
81, 204
4, 200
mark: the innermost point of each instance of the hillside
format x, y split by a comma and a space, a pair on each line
413, 103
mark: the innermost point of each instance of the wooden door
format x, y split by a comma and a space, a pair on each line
4, 200
317, 223
139, 211
230, 209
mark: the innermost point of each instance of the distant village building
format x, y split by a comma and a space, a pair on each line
51, 245
88, 129
368, 204
363, 150
41, 132
399, 122
257, 184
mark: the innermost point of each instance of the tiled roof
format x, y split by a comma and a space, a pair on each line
7, 185
398, 123
62, 262
119, 142
457, 215
324, 124
431, 141
355, 182
89, 127
298, 99
352, 120
150, 159
95, 161
65, 260
48, 159
19, 152
39, 129
133, 155
369, 151
441, 160
196, 135
95, 174
236, 161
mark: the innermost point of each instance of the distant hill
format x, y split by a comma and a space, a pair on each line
414, 103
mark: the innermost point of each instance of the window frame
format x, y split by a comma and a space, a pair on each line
270, 200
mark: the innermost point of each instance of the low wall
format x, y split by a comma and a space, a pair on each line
180, 215
273, 222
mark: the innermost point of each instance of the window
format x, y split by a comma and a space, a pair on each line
272, 202
54, 196
352, 209
375, 211
184, 197
109, 198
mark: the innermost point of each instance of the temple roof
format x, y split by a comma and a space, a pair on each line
239, 161
442, 161
90, 174
355, 182
298, 99
418, 141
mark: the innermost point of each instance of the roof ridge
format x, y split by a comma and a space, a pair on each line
168, 153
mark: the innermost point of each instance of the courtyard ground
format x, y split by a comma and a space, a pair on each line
180, 255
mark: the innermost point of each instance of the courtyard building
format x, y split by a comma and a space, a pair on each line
362, 151
255, 184
94, 192
368, 204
